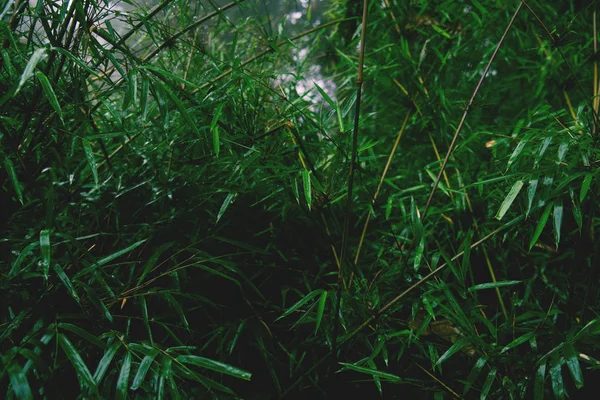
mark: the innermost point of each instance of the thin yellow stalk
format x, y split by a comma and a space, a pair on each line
383, 175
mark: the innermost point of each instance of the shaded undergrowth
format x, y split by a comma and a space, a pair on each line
174, 184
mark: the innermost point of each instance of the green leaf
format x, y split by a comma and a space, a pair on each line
45, 250
419, 253
10, 169
144, 306
558, 387
18, 382
540, 226
518, 341
49, 93
37, 56
228, 200
119, 253
83, 373
493, 285
509, 199
97, 302
181, 107
585, 186
67, 282
531, 194
540, 378
82, 334
123, 380
300, 303
487, 385
320, 310
214, 366
558, 217
572, 360
152, 261
457, 346
145, 365
105, 362
516, 152
307, 187
373, 372
165, 372
475, 371
91, 159
325, 95
216, 140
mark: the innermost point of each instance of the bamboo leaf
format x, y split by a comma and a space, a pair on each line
18, 382
556, 378
49, 93
540, 226
214, 366
91, 159
10, 169
373, 372
45, 250
228, 200
300, 303
518, 341
37, 56
142, 371
493, 285
83, 373
307, 187
540, 378
585, 187
509, 199
572, 360
487, 385
105, 362
123, 380
67, 282
320, 310
97, 302
558, 217
475, 371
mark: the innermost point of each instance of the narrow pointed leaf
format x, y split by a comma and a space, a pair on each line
91, 159
123, 380
372, 372
49, 93
142, 371
540, 379
585, 187
493, 285
214, 366
37, 56
320, 310
540, 226
518, 341
105, 362
509, 199
18, 382
45, 250
83, 373
302, 302
10, 169
228, 200
558, 217
67, 282
573, 364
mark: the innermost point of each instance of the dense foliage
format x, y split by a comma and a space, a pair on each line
180, 216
